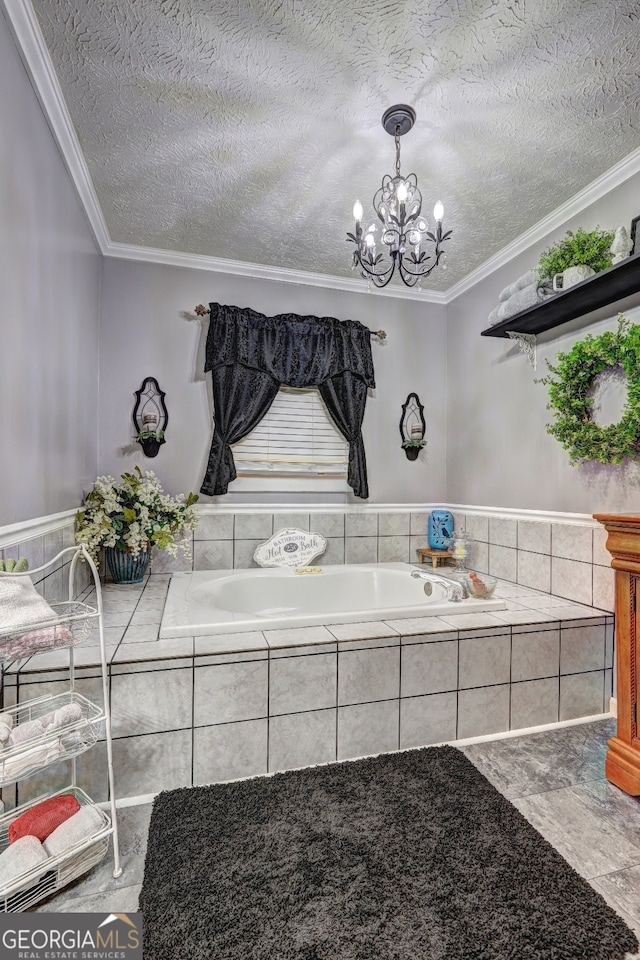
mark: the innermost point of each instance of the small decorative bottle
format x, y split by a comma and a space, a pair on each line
440, 529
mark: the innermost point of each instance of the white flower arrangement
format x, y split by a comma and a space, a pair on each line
135, 514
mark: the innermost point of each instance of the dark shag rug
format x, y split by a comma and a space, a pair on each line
406, 856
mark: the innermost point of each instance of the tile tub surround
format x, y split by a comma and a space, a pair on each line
195, 710
563, 554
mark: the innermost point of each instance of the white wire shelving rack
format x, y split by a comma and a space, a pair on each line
70, 624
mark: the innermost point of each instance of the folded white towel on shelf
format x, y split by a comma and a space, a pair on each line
531, 276
27, 761
521, 300
493, 317
6, 725
19, 858
21, 606
524, 298
77, 828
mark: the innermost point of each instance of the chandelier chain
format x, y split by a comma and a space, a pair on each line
397, 138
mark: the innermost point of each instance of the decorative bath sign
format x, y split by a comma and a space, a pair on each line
290, 548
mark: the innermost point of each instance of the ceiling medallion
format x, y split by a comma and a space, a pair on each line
402, 239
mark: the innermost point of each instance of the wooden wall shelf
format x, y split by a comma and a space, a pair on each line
607, 287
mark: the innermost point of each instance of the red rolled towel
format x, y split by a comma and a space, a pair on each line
43, 819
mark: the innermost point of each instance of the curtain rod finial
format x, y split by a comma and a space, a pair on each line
201, 310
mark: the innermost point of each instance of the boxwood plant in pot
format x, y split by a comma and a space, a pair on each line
582, 248
129, 517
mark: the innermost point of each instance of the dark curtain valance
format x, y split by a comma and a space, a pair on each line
295, 351
250, 356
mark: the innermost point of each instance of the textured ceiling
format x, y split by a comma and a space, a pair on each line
245, 129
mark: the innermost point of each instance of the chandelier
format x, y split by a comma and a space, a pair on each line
402, 238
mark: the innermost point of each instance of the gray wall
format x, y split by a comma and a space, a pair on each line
486, 415
49, 288
144, 333
498, 451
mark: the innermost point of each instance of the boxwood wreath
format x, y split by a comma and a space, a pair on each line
570, 383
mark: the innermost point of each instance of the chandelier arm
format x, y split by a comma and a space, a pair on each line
379, 278
405, 272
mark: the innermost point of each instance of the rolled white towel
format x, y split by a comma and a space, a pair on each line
6, 725
527, 297
28, 730
531, 276
493, 316
19, 858
77, 828
62, 717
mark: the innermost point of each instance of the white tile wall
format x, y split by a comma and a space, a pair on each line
534, 536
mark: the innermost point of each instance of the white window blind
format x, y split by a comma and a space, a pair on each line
296, 437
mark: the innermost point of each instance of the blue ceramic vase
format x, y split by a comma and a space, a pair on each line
440, 529
123, 567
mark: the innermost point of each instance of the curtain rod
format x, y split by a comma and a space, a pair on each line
202, 311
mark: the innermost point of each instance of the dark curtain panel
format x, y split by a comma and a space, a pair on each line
345, 396
250, 356
241, 398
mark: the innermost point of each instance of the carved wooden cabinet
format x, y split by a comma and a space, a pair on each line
622, 765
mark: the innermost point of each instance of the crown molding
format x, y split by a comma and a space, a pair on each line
612, 178
35, 56
196, 261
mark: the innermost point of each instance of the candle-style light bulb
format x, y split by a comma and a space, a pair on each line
401, 191
357, 211
438, 211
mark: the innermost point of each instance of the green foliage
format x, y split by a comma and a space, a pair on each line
150, 435
570, 383
135, 514
414, 443
582, 247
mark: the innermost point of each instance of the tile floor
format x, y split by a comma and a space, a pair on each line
554, 777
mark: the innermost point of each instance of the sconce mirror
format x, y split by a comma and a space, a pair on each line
150, 417
412, 426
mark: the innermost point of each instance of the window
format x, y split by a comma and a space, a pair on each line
297, 437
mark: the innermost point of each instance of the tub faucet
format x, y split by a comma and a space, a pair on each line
453, 588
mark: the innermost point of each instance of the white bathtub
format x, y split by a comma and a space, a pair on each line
231, 601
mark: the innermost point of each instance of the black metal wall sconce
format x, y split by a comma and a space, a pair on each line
412, 426
150, 417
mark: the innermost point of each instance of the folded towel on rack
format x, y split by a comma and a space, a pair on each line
44, 818
6, 725
21, 607
28, 730
27, 761
74, 830
531, 276
62, 717
19, 858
